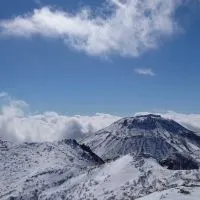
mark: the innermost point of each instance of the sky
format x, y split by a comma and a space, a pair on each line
78, 57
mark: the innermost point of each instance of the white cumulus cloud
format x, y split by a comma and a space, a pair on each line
127, 27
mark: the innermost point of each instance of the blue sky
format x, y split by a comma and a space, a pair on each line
49, 74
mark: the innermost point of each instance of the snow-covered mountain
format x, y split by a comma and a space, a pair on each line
141, 154
148, 136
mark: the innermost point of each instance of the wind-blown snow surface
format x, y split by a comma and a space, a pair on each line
69, 171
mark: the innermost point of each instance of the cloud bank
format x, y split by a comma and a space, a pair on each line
124, 27
17, 124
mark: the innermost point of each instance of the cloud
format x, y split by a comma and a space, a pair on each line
124, 27
145, 71
3, 94
19, 125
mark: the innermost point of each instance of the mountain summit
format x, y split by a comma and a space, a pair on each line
165, 140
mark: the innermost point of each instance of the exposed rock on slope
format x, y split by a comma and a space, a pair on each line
168, 142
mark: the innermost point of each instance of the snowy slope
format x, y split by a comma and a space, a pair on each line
32, 167
181, 193
148, 135
127, 179
123, 179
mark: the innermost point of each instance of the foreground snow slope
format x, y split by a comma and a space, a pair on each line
29, 168
141, 154
148, 135
126, 178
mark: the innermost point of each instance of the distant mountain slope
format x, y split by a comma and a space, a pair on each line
32, 167
149, 136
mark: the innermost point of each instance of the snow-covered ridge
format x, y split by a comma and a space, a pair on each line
34, 166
